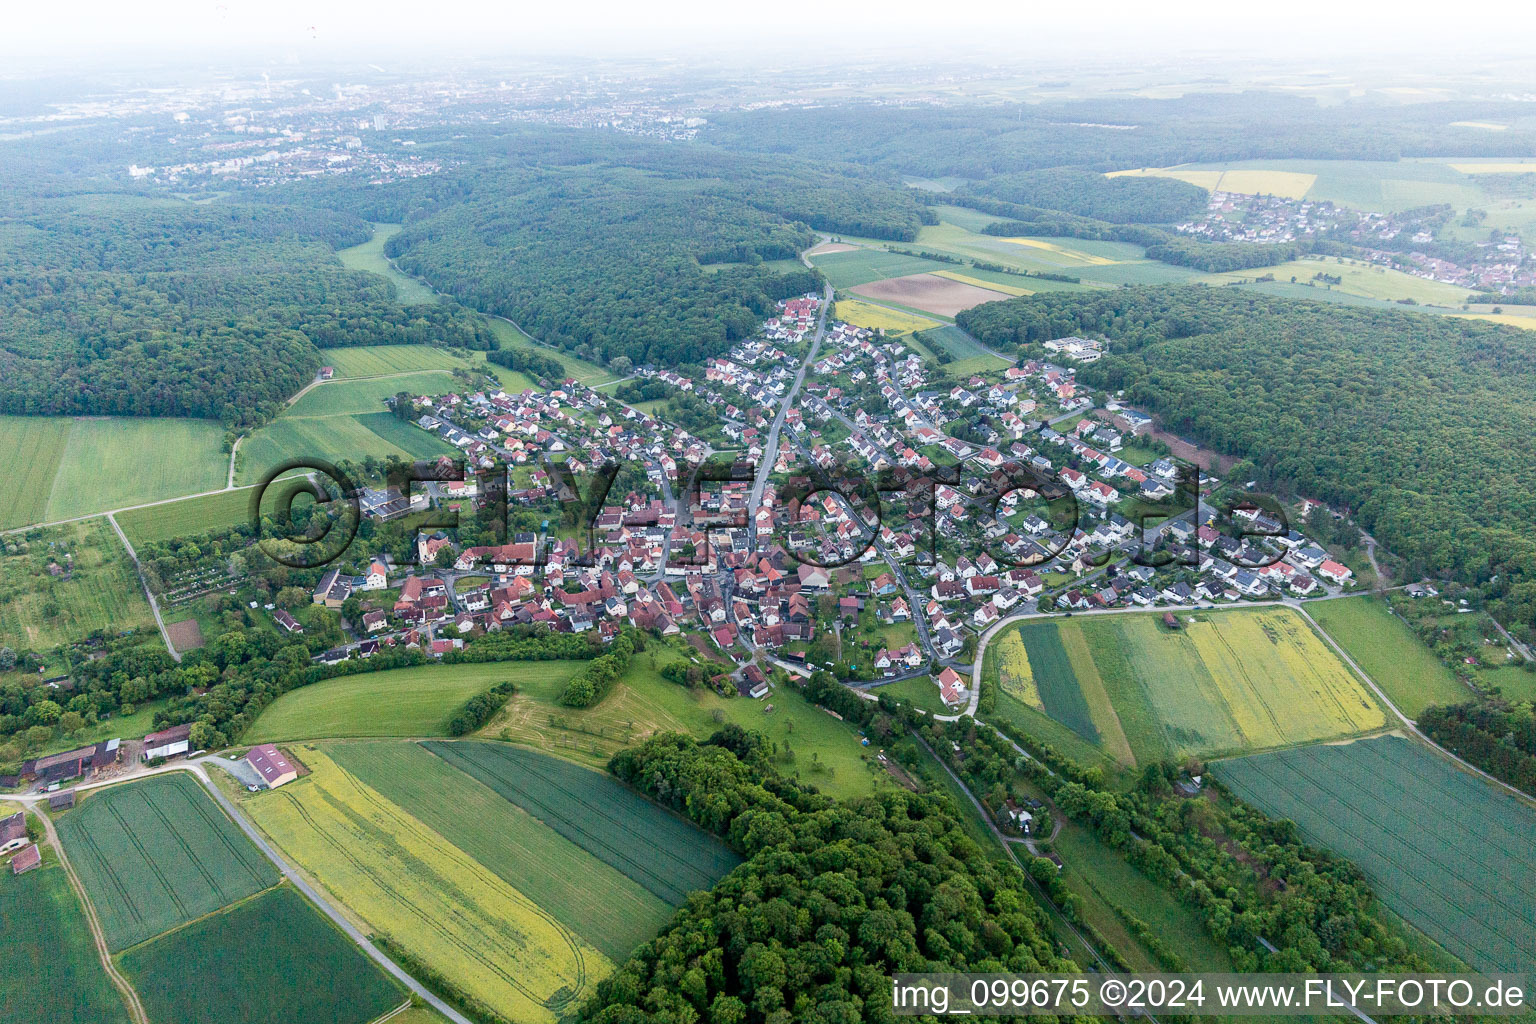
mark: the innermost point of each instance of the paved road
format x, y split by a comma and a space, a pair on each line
154, 605
771, 449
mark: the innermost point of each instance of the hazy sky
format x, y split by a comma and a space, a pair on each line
79, 32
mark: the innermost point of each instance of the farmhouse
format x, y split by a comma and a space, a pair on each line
13, 833
168, 742
270, 763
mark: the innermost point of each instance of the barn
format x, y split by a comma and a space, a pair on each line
26, 860
272, 765
13, 833
168, 742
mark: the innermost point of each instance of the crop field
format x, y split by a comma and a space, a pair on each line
427, 896
608, 909
50, 971
159, 853
415, 701
1358, 278
892, 321
1387, 650
32, 447
941, 295
665, 854
1248, 679
189, 517
1442, 848
864, 265
75, 467
101, 592
378, 360
956, 342
305, 969
993, 282
370, 257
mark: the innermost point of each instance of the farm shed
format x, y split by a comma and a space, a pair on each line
272, 765
62, 801
13, 832
168, 742
26, 860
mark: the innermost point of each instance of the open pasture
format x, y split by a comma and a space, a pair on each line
269, 960
96, 589
50, 970
369, 256
959, 345
416, 701
1357, 278
1441, 847
590, 374
156, 854
428, 897
608, 909
32, 447
665, 854
1387, 650
189, 517
378, 360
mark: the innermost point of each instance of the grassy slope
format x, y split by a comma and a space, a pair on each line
370, 256
399, 702
1388, 651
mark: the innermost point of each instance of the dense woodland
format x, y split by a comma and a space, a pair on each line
1497, 737
1121, 200
833, 898
121, 305
1416, 424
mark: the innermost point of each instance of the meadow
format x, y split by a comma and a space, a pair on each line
590, 374
1138, 691
369, 256
1442, 848
668, 856
50, 970
269, 960
641, 703
604, 906
345, 420
862, 266
380, 360
102, 592
1388, 651
77, 467
156, 854
189, 517
415, 701
956, 342
1358, 278
426, 896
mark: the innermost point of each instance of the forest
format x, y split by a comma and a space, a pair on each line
122, 305
1120, 200
832, 898
1497, 737
1415, 424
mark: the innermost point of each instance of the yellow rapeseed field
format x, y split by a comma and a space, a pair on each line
1013, 672
894, 321
1252, 181
1060, 250
428, 897
1278, 681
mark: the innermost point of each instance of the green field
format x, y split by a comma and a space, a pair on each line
50, 971
379, 360
345, 420
920, 692
32, 446
609, 910
861, 266
953, 340
76, 467
1231, 680
1389, 652
190, 517
159, 853
665, 854
268, 960
1357, 278
370, 257
1445, 850
399, 702
38, 611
